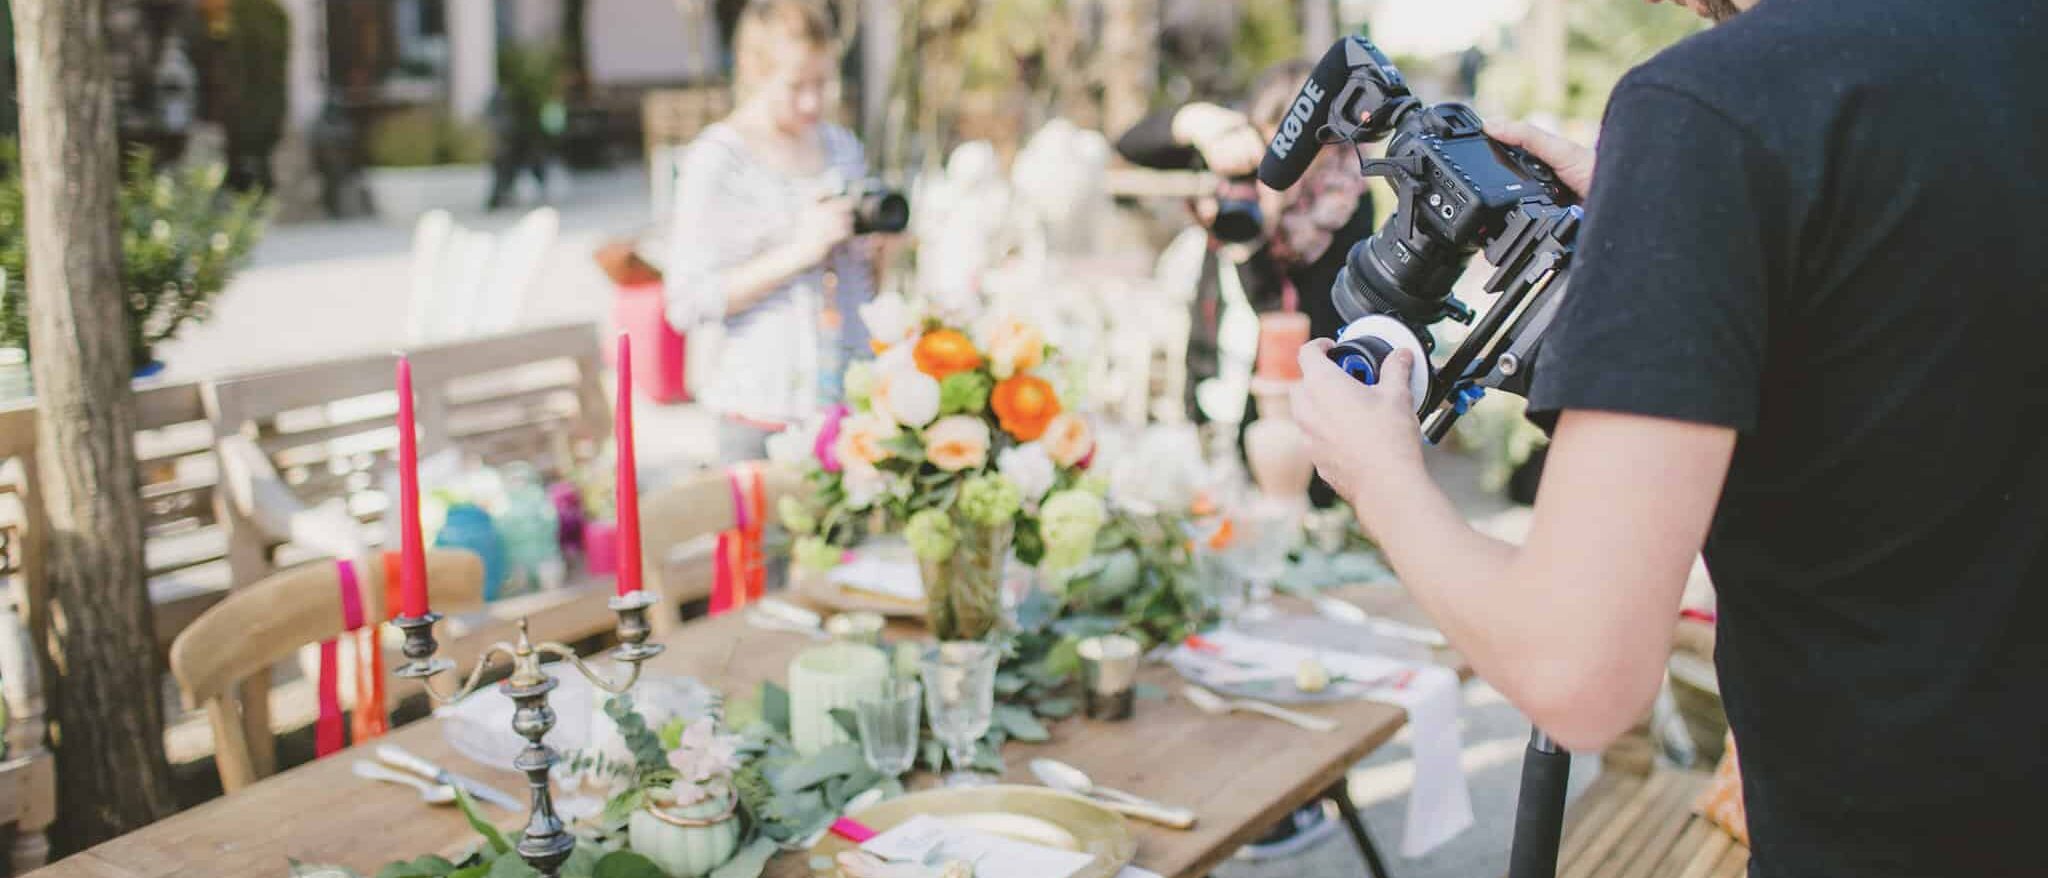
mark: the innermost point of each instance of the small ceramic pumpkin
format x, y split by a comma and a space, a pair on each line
686, 842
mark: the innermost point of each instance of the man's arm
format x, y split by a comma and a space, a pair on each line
1573, 626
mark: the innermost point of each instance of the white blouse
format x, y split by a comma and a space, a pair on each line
779, 361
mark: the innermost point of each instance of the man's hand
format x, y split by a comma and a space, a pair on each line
1362, 438
1572, 162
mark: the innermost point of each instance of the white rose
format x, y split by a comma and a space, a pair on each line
1029, 468
864, 484
906, 396
889, 319
793, 447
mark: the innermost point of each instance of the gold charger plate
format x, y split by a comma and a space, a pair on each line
1034, 815
821, 590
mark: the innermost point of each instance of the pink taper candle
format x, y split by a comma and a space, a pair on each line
413, 556
627, 493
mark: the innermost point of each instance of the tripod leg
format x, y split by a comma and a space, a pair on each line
1539, 809
1352, 821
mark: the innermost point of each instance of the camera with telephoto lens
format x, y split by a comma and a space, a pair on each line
876, 207
1457, 192
1238, 217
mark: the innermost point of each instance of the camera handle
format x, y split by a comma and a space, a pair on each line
1539, 809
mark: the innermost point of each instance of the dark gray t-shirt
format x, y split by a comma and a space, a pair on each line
1820, 224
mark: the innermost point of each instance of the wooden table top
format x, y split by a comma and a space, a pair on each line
321, 813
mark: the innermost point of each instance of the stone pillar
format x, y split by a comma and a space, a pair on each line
472, 56
1318, 27
880, 24
306, 67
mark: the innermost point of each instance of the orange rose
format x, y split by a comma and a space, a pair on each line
942, 352
1024, 405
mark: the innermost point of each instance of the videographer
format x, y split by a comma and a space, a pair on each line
1803, 330
1296, 254
757, 244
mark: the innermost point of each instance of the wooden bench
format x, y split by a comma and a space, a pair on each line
1634, 826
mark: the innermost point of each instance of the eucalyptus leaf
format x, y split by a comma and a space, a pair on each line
932, 755
1056, 708
582, 862
988, 759
624, 864
1020, 724
749, 862
846, 722
621, 807
1009, 683
775, 707
1149, 691
480, 870
512, 867
499, 843
428, 866
834, 761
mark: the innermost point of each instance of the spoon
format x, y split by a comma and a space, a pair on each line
1212, 703
1068, 779
430, 792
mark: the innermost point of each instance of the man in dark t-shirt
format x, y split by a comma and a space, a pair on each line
1806, 331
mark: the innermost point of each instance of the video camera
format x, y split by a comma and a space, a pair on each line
1238, 216
1457, 192
876, 207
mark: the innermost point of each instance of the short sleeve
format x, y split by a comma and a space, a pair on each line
1666, 311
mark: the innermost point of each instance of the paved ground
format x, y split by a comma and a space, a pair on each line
321, 290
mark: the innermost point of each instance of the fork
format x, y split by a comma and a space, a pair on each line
1212, 703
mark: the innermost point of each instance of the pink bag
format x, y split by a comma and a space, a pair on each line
658, 350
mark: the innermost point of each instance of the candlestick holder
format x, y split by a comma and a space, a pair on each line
546, 842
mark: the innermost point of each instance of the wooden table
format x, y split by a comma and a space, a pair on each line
1239, 773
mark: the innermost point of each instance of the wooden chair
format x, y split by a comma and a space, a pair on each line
264, 623
1638, 826
679, 527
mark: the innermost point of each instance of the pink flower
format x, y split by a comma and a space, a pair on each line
828, 437
1068, 440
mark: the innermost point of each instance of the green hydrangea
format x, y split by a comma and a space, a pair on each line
1093, 484
858, 382
795, 517
931, 535
1068, 521
815, 555
965, 393
989, 500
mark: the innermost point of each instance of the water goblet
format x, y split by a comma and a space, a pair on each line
889, 726
959, 690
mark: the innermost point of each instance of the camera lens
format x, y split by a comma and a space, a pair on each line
881, 212
1383, 276
1237, 221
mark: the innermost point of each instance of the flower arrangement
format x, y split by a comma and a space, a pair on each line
957, 437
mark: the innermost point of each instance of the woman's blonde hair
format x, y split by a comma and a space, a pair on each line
766, 27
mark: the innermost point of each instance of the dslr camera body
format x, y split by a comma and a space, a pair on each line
876, 207
1457, 192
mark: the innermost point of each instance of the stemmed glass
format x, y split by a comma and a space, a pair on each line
1271, 530
889, 725
960, 692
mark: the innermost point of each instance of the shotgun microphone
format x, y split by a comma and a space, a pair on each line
1299, 137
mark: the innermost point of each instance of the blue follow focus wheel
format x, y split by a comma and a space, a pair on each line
1358, 367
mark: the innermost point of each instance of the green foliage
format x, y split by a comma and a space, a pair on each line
182, 238
1268, 32
419, 137
495, 837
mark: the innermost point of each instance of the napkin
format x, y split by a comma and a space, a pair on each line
927, 839
1440, 804
883, 576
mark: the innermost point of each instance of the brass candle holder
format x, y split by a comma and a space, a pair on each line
545, 844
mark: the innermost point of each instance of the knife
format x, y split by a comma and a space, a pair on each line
399, 757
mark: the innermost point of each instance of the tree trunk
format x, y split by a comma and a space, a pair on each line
100, 649
1130, 53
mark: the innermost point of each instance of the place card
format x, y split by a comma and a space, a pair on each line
883, 576
928, 839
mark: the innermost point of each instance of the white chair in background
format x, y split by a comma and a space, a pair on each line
467, 282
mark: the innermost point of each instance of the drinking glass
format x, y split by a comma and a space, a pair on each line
1272, 528
960, 694
889, 725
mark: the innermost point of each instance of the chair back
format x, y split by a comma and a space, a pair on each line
679, 527
267, 621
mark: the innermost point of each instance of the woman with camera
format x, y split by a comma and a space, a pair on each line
1306, 231
763, 241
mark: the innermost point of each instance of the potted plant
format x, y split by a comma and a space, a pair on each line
679, 804
421, 159
182, 238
